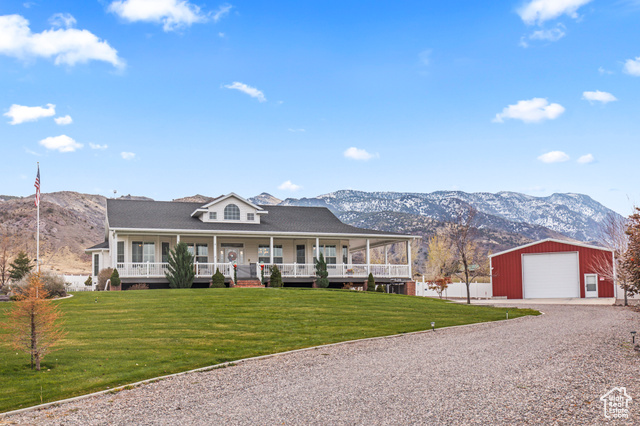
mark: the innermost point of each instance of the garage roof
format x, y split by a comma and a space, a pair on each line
569, 243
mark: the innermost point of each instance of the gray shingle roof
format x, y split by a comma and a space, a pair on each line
102, 245
131, 214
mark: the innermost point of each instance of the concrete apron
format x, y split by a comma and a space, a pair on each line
559, 301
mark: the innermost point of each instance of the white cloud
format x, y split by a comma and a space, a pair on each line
62, 20
603, 71
251, 91
63, 121
221, 12
62, 143
632, 67
538, 11
289, 186
586, 159
425, 56
296, 130
598, 96
554, 34
554, 157
172, 14
531, 111
98, 146
127, 155
67, 46
359, 154
20, 113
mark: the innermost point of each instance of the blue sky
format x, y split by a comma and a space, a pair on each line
169, 98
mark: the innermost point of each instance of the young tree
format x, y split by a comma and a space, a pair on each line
439, 284
88, 282
441, 262
613, 235
371, 283
321, 272
20, 267
631, 258
217, 280
115, 278
180, 269
276, 278
471, 262
34, 322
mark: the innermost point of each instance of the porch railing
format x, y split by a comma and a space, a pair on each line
288, 270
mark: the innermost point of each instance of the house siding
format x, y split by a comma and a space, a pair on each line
507, 268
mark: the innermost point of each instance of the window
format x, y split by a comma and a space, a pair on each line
231, 212
120, 250
265, 257
165, 252
345, 254
143, 252
329, 253
202, 253
96, 264
300, 253
250, 217
213, 215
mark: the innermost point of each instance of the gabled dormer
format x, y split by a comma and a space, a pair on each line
230, 208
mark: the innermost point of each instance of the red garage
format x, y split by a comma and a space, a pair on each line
550, 269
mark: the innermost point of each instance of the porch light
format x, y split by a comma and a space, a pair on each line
433, 326
633, 337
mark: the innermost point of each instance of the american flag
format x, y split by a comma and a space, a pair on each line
37, 185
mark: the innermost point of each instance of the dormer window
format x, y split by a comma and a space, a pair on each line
250, 217
213, 215
231, 212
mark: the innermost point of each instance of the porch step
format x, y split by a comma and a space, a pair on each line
248, 283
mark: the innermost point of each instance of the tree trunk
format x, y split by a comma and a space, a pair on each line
33, 337
37, 361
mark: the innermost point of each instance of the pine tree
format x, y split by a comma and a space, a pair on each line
20, 267
371, 283
115, 279
276, 277
217, 280
180, 268
631, 260
34, 322
321, 273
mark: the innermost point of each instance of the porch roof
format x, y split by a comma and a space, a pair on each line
171, 215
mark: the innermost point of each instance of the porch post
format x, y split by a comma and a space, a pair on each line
409, 257
114, 251
177, 239
215, 253
386, 255
368, 259
271, 250
317, 248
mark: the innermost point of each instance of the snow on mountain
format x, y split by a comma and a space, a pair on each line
576, 216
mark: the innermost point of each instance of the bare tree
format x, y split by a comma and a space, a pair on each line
5, 255
613, 235
471, 262
441, 262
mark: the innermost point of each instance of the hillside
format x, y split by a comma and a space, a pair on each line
71, 222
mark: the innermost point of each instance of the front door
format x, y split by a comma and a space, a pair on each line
232, 255
590, 285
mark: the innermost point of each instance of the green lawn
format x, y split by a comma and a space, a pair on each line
133, 335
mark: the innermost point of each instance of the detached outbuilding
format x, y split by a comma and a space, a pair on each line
551, 269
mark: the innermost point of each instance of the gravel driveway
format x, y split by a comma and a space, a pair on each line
547, 369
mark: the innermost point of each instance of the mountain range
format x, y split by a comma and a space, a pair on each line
71, 222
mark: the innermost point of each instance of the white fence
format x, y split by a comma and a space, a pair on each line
76, 283
457, 290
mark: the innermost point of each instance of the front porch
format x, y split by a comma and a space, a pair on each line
288, 270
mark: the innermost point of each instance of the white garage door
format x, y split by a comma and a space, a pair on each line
550, 275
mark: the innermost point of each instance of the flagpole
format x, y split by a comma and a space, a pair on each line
38, 224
